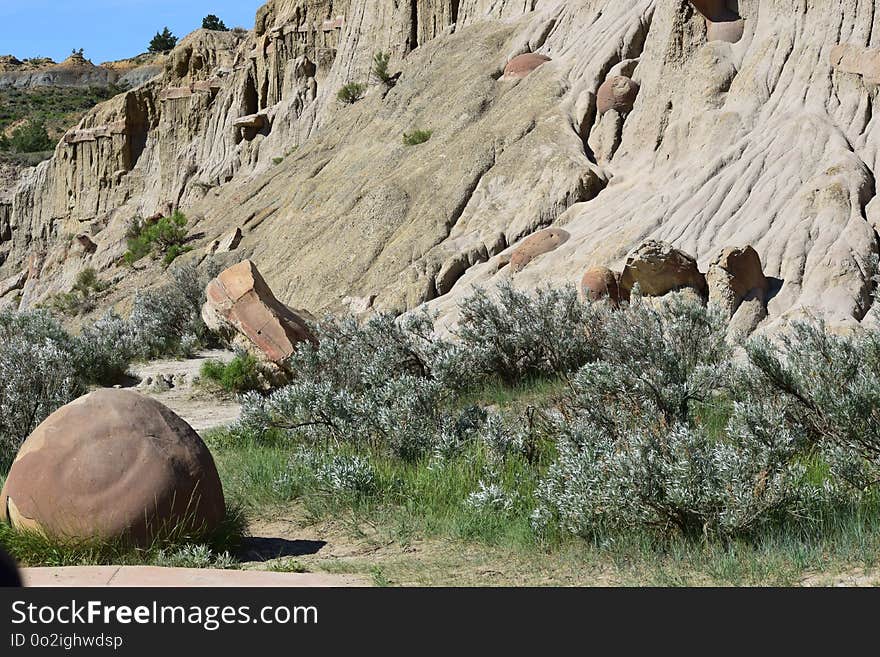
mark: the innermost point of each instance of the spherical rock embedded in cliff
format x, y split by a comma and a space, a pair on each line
113, 465
617, 93
660, 268
521, 65
540, 243
601, 283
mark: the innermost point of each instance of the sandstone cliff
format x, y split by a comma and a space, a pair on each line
752, 124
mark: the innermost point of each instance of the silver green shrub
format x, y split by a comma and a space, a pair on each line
168, 320
824, 387
515, 335
631, 454
371, 385
38, 374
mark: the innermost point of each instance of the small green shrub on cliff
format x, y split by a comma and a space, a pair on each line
351, 93
165, 237
416, 137
81, 298
380, 69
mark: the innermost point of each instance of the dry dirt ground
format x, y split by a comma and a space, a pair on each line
175, 383
290, 540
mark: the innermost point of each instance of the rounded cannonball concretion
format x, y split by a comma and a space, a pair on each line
113, 464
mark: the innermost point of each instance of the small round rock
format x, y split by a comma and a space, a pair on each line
521, 65
617, 93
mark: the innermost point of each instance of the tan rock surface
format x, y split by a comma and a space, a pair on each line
659, 268
767, 141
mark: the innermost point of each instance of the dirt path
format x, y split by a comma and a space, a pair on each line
175, 383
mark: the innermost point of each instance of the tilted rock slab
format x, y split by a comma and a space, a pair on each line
240, 303
113, 465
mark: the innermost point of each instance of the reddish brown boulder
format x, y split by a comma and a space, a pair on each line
541, 242
521, 65
601, 283
660, 268
113, 465
617, 93
240, 303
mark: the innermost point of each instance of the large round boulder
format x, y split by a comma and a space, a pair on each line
600, 283
617, 93
660, 268
113, 465
521, 65
544, 241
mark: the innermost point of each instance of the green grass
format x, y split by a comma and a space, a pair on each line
178, 546
241, 374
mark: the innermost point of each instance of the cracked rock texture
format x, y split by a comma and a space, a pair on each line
769, 141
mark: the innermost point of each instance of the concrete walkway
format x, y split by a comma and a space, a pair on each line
152, 576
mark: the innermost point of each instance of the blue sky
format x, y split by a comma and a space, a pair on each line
106, 29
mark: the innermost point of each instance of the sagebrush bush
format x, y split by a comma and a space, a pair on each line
168, 320
375, 384
632, 455
516, 335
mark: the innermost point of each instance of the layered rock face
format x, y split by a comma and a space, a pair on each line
745, 124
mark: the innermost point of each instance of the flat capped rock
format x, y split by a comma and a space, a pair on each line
113, 464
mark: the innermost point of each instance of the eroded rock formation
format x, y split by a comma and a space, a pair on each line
768, 141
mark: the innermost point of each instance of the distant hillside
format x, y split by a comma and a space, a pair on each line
77, 71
